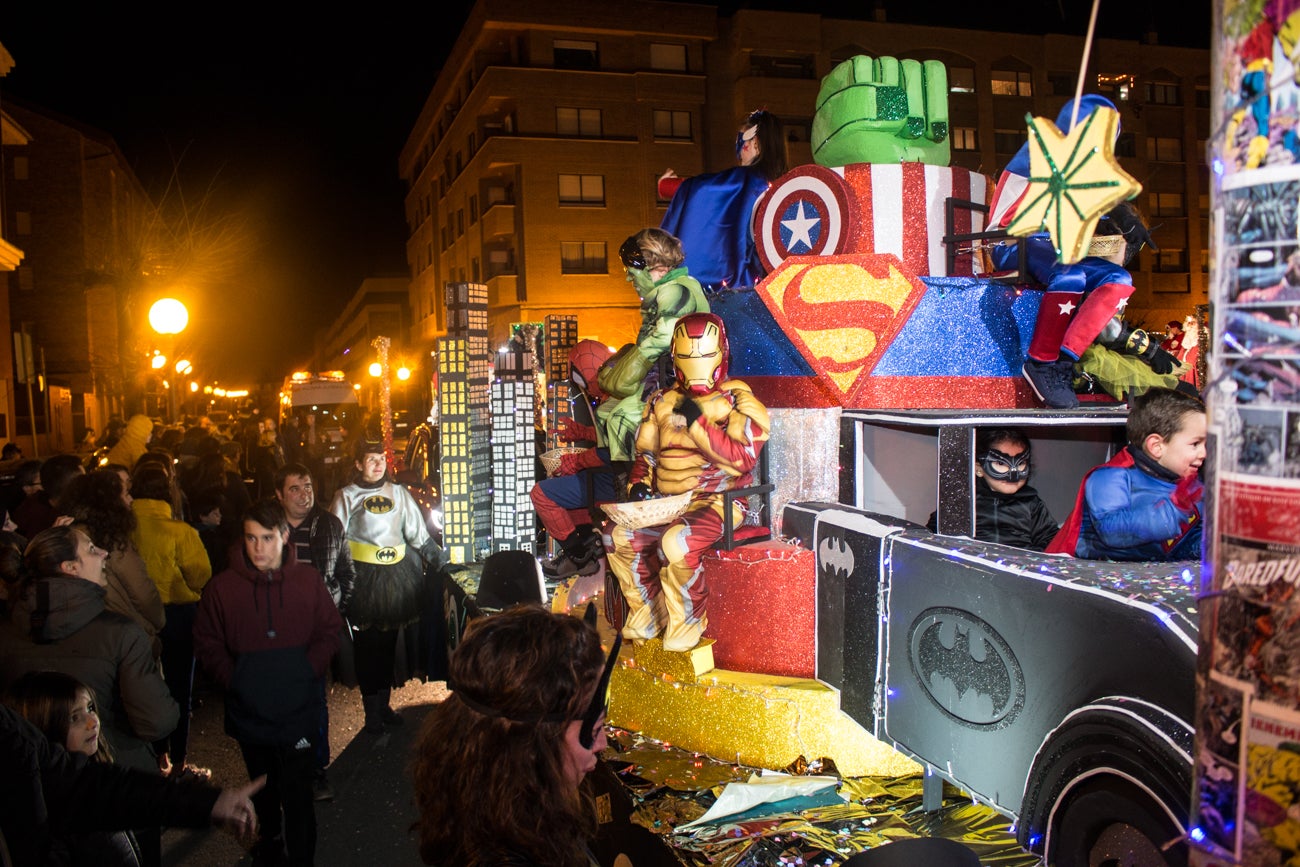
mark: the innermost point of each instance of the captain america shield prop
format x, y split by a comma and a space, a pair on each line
807, 212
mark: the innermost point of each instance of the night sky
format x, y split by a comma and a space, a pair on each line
294, 125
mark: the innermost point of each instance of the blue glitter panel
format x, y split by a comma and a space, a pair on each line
758, 346
964, 326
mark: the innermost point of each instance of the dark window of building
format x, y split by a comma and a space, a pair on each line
1165, 149
1009, 82
961, 79
964, 138
1167, 205
1062, 83
1008, 141
1202, 96
576, 54
583, 257
1163, 93
460, 222
578, 122
668, 56
673, 124
782, 66
1169, 261
1126, 145
473, 210
582, 189
473, 269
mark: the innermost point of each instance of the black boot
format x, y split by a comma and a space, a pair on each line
387, 715
374, 706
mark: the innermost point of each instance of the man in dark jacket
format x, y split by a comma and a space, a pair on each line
266, 630
317, 538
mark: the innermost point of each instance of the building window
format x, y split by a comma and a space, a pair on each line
673, 124
1205, 260
1170, 261
460, 222
964, 138
1008, 141
668, 57
582, 189
1167, 205
20, 168
1202, 96
1164, 150
1008, 82
961, 79
782, 66
473, 269
471, 143
1062, 83
1116, 85
576, 54
1126, 145
23, 222
578, 122
583, 257
473, 210
1163, 93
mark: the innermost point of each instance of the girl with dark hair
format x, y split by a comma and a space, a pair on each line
499, 764
60, 623
711, 213
64, 710
100, 501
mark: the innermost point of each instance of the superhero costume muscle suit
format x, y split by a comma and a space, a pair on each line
663, 303
701, 435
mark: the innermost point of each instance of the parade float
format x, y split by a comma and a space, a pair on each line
1057, 693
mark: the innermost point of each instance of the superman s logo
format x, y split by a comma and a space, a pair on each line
842, 312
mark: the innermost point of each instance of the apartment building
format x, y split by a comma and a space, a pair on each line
536, 152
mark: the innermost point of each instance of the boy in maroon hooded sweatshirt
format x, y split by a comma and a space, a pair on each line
266, 630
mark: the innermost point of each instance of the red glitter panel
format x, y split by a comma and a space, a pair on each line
862, 235
961, 222
943, 392
762, 609
916, 219
792, 392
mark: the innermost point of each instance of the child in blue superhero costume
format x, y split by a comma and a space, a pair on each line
1145, 503
712, 213
1081, 298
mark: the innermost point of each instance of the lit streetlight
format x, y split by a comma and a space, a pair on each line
168, 316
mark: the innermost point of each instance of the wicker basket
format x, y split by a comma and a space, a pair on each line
551, 459
647, 513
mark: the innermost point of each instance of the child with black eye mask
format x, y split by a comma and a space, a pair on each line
1007, 509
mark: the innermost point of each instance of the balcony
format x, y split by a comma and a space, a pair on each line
498, 221
503, 289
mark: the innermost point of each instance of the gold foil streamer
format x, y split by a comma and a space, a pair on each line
671, 787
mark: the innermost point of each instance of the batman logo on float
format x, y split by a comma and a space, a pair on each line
386, 555
966, 668
377, 505
835, 555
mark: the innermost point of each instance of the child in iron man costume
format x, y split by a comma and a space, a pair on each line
701, 435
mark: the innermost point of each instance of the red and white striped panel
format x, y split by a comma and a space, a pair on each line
890, 208
901, 211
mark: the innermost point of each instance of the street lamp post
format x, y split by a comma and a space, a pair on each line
168, 317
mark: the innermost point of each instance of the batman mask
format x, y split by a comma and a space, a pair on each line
1004, 467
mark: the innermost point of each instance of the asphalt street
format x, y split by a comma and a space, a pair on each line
369, 820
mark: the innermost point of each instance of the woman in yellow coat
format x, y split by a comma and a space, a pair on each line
177, 562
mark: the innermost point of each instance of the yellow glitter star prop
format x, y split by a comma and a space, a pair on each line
1073, 180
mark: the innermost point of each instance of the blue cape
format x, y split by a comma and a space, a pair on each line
712, 216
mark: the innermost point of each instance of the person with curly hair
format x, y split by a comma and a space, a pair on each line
100, 501
499, 764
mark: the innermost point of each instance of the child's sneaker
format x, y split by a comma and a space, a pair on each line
1053, 382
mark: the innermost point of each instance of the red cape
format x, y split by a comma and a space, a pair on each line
1066, 540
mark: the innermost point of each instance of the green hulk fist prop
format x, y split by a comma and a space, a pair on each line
882, 110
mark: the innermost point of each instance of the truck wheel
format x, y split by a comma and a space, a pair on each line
1109, 822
